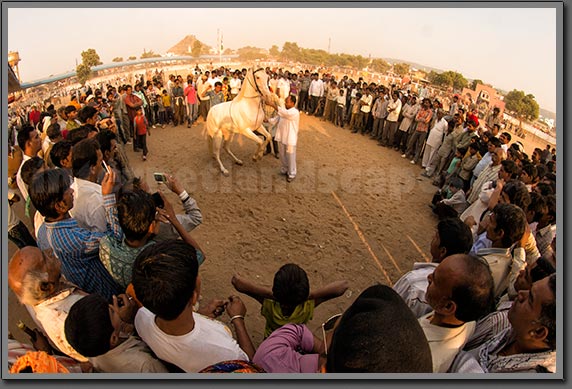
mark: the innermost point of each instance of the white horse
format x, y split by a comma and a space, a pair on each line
243, 115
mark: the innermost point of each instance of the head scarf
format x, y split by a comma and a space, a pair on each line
39, 362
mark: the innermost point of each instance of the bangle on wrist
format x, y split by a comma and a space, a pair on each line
236, 317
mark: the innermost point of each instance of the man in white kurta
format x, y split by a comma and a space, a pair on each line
288, 120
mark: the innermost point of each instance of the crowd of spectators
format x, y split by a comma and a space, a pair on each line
111, 275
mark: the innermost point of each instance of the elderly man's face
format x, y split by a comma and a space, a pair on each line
33, 260
442, 281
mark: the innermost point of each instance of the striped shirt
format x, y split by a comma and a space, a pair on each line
78, 250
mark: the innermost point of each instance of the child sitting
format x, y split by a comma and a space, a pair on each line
452, 170
290, 300
454, 203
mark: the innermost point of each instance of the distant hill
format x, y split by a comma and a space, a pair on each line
547, 114
185, 46
414, 64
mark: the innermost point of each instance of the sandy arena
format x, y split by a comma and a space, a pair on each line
356, 211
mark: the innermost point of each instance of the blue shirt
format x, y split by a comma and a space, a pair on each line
78, 250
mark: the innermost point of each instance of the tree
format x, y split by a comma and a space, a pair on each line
197, 49
149, 54
448, 79
291, 51
379, 65
360, 62
228, 51
83, 73
90, 58
132, 58
117, 59
274, 52
524, 105
250, 53
401, 69
475, 83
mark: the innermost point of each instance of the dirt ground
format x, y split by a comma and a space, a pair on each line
356, 211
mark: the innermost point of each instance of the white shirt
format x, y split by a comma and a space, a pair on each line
235, 85
413, 285
445, 342
435, 137
288, 125
131, 356
316, 88
284, 87
21, 185
394, 115
51, 316
209, 342
367, 99
88, 207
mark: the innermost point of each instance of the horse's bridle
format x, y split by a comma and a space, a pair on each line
257, 90
255, 83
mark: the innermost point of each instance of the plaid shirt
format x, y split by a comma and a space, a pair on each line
78, 250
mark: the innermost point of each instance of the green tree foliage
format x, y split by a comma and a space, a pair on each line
274, 51
379, 65
401, 69
83, 73
117, 59
291, 51
448, 79
524, 105
197, 49
132, 58
149, 54
250, 53
90, 58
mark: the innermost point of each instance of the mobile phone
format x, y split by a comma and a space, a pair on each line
106, 167
158, 200
160, 177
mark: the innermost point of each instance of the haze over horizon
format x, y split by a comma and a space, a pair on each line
510, 48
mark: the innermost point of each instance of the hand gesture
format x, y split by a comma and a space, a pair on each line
108, 183
235, 306
125, 307
167, 212
173, 184
214, 308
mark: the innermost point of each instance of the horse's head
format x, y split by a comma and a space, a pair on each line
260, 79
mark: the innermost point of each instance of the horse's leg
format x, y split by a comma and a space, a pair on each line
227, 149
211, 151
251, 135
262, 147
217, 143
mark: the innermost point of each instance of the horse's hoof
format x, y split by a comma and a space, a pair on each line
255, 158
239, 162
225, 173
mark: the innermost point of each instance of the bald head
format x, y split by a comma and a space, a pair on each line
33, 275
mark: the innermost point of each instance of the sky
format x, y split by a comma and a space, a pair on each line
510, 48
